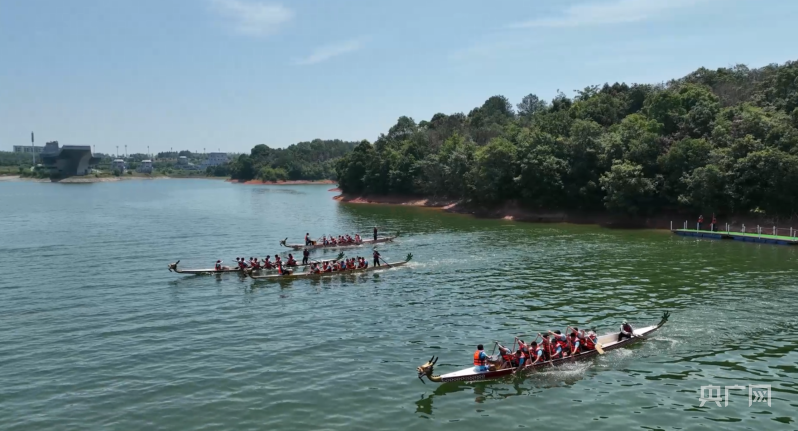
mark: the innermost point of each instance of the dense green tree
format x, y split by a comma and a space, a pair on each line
314, 160
492, 178
720, 141
531, 104
352, 168
682, 159
541, 172
628, 190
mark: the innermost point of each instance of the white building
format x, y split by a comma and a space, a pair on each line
145, 167
216, 159
118, 164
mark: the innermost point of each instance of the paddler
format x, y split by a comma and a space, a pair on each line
282, 271
376, 255
291, 260
218, 265
305, 256
241, 263
561, 341
536, 353
506, 355
277, 260
308, 241
480, 358
357, 238
327, 267
575, 343
314, 268
520, 356
581, 338
551, 350
266, 262
589, 341
626, 331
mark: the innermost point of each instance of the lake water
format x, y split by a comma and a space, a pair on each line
96, 334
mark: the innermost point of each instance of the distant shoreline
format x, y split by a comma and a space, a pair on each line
281, 183
513, 212
90, 179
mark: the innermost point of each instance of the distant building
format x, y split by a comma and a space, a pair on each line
68, 160
28, 149
183, 163
118, 164
216, 159
145, 167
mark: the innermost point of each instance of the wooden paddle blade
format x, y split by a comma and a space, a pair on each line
599, 349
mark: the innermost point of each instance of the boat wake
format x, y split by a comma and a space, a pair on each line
565, 374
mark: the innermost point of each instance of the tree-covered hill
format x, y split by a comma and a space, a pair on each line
313, 160
723, 141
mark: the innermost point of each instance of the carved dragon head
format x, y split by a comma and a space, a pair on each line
173, 266
426, 370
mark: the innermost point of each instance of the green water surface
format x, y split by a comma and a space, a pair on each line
96, 334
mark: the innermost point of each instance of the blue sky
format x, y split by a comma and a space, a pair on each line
230, 74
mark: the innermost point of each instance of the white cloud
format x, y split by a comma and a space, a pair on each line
253, 18
608, 12
327, 52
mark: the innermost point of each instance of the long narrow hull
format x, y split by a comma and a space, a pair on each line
608, 342
336, 246
231, 270
297, 275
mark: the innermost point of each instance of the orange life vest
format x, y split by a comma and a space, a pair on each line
477, 361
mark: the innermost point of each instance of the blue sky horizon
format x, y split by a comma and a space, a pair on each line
231, 74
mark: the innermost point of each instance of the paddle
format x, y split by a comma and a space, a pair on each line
598, 346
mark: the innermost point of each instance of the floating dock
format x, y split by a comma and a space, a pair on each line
738, 236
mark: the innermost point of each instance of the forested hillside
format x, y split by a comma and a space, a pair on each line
313, 160
723, 141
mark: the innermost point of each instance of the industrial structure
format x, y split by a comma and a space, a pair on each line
68, 160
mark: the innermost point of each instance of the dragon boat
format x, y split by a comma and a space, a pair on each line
296, 275
318, 244
607, 341
243, 271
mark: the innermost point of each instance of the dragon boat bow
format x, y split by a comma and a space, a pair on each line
607, 341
